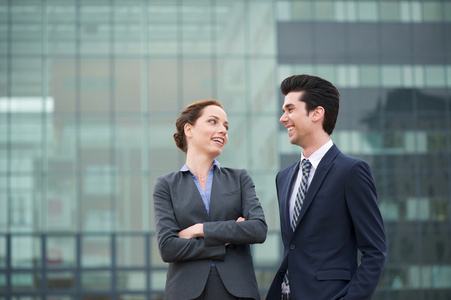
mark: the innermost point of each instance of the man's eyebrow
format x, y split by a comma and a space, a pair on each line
288, 105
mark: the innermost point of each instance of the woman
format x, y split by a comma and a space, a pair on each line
206, 215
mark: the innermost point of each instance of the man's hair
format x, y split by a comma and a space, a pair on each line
190, 115
316, 92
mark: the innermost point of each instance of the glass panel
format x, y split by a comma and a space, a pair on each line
238, 143
57, 281
435, 76
267, 253
130, 281
132, 297
198, 80
26, 76
162, 97
95, 28
3, 250
25, 29
96, 280
162, 27
25, 281
25, 252
230, 39
390, 11
262, 29
231, 84
323, 10
368, 11
4, 203
391, 76
132, 211
61, 204
127, 86
130, 251
128, 143
157, 280
127, 30
162, 147
433, 11
96, 251
61, 28
300, 10
197, 27
155, 258
3, 281
61, 251
95, 84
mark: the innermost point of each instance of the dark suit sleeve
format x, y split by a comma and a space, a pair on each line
172, 248
369, 229
251, 231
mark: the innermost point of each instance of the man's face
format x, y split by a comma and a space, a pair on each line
296, 119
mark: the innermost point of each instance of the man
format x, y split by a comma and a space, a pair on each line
328, 205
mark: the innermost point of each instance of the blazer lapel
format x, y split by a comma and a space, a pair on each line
292, 175
192, 198
324, 166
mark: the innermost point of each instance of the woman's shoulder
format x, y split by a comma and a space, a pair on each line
233, 171
169, 177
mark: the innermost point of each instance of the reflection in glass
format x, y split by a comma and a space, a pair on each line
25, 281
131, 280
61, 280
61, 251
96, 280
25, 251
96, 251
130, 251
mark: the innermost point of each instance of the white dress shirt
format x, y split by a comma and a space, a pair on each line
314, 159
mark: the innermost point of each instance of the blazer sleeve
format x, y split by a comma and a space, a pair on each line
172, 248
369, 229
251, 231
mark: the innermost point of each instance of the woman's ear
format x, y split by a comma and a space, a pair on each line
188, 130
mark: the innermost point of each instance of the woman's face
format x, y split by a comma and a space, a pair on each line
209, 133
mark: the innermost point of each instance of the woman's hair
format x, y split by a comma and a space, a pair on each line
189, 116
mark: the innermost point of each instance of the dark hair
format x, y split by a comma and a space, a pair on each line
189, 116
317, 92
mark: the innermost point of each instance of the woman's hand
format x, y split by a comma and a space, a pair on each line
194, 231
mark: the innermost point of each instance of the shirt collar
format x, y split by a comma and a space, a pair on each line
215, 163
316, 157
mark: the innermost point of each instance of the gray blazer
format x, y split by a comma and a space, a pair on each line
178, 205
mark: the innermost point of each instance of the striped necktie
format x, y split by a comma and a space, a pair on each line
306, 165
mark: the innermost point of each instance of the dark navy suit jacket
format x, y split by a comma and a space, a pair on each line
340, 215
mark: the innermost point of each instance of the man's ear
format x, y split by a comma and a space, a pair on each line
187, 128
318, 113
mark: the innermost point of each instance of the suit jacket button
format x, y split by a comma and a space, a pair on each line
292, 247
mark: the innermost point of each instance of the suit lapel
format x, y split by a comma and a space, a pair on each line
192, 197
324, 166
292, 175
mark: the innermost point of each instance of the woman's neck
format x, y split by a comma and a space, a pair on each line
199, 165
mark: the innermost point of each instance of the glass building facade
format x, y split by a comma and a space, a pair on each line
89, 94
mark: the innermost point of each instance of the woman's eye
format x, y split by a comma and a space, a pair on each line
212, 121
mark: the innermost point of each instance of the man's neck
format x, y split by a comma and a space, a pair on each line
315, 145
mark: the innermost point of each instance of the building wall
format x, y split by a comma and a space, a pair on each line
90, 90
